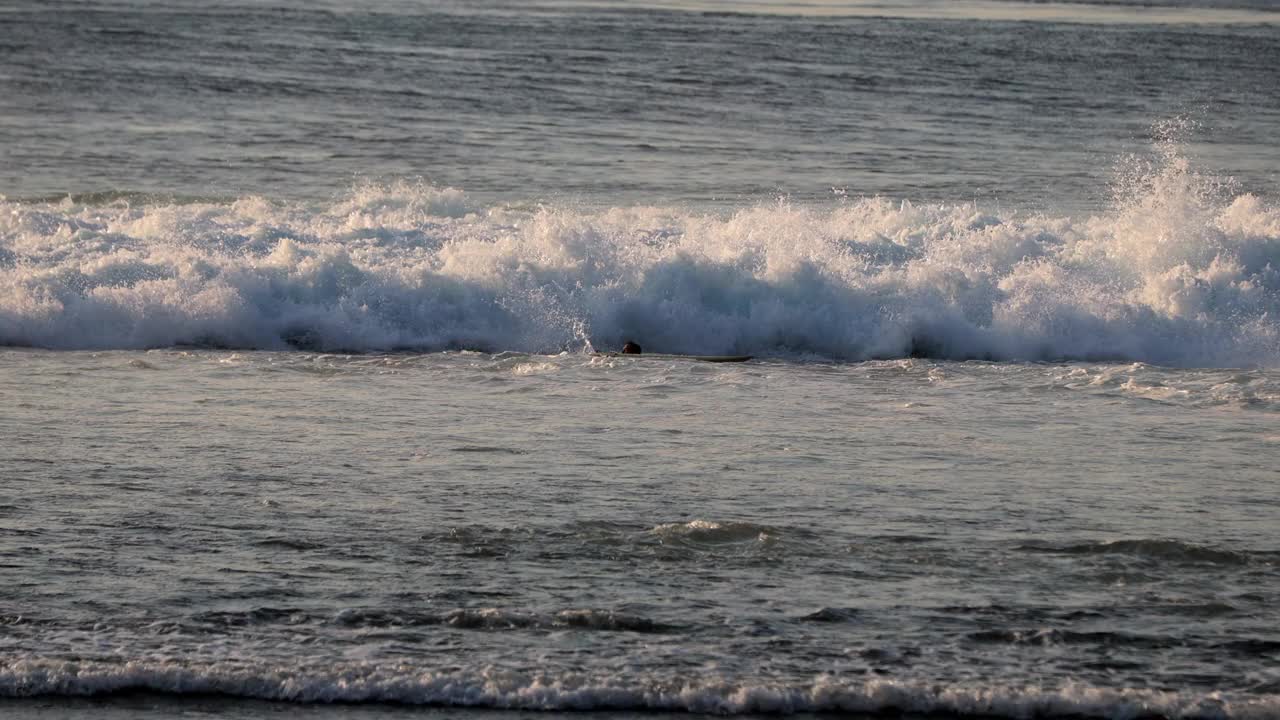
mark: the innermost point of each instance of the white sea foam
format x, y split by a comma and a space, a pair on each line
712, 532
1181, 273
495, 688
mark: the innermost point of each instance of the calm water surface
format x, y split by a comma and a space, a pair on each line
611, 102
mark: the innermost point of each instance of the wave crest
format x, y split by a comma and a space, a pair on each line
710, 532
1181, 273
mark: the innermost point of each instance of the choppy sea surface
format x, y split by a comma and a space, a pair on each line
304, 409
570, 532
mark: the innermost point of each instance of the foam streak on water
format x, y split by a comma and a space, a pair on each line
505, 690
1182, 272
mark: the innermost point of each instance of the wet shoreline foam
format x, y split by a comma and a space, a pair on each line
497, 690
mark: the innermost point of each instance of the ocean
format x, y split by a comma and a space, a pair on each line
308, 405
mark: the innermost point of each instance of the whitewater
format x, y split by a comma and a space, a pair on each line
1179, 273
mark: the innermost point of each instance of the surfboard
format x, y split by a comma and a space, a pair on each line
668, 356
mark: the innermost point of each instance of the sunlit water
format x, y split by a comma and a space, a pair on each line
302, 411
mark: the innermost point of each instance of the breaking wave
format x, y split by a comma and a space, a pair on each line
1182, 272
710, 532
493, 688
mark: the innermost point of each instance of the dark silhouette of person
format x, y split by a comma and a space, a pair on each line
630, 348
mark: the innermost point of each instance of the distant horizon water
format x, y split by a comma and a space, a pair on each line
625, 105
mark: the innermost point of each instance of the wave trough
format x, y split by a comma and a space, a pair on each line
1180, 273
